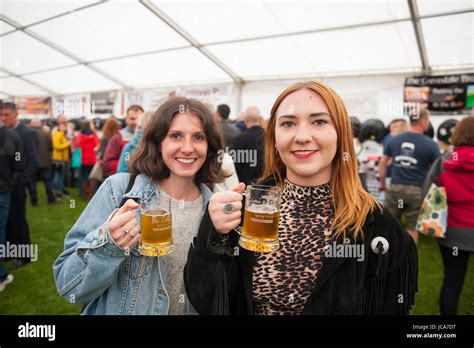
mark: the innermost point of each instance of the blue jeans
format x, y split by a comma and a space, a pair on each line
4, 208
58, 178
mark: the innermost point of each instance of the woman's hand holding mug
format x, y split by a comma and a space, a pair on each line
225, 209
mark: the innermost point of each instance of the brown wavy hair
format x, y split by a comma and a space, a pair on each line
147, 158
110, 128
464, 132
351, 202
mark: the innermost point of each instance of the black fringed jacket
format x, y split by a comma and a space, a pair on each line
218, 282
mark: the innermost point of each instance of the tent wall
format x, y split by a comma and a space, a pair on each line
377, 96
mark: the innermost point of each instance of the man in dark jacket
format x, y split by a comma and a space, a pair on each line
10, 169
44, 171
248, 149
228, 131
17, 227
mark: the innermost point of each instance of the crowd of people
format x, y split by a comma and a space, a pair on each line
341, 180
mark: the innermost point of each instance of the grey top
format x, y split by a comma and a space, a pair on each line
459, 237
186, 217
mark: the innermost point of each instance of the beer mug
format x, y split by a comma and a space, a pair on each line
261, 216
156, 238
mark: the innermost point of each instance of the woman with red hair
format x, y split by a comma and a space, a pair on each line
309, 154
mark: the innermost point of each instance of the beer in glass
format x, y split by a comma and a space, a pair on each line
261, 217
155, 228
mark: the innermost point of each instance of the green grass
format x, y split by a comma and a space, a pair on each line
33, 290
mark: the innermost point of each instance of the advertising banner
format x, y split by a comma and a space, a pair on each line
442, 95
40, 106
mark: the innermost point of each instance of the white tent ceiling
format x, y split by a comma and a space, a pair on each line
65, 47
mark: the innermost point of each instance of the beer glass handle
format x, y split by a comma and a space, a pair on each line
238, 229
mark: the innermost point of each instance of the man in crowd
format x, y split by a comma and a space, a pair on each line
69, 132
17, 227
44, 171
11, 166
396, 127
228, 131
249, 146
61, 155
118, 141
412, 154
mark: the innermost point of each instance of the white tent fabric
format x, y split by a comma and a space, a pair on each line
52, 47
374, 96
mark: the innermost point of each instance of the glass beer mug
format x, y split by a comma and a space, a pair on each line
261, 217
156, 237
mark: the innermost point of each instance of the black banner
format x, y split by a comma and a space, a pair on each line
429, 331
442, 95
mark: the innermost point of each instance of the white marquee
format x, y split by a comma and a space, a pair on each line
56, 48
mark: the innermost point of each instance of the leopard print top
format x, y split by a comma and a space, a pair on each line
284, 279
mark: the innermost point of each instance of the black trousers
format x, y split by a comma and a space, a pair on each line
17, 230
45, 175
455, 268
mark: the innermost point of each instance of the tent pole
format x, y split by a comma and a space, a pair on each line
420, 39
239, 100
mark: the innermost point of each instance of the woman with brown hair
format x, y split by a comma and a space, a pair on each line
101, 265
110, 128
325, 216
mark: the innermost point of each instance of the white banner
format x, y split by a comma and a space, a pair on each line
150, 100
72, 106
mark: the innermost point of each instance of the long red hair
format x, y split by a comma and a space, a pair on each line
351, 202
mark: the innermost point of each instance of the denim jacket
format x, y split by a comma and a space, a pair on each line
127, 151
93, 270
